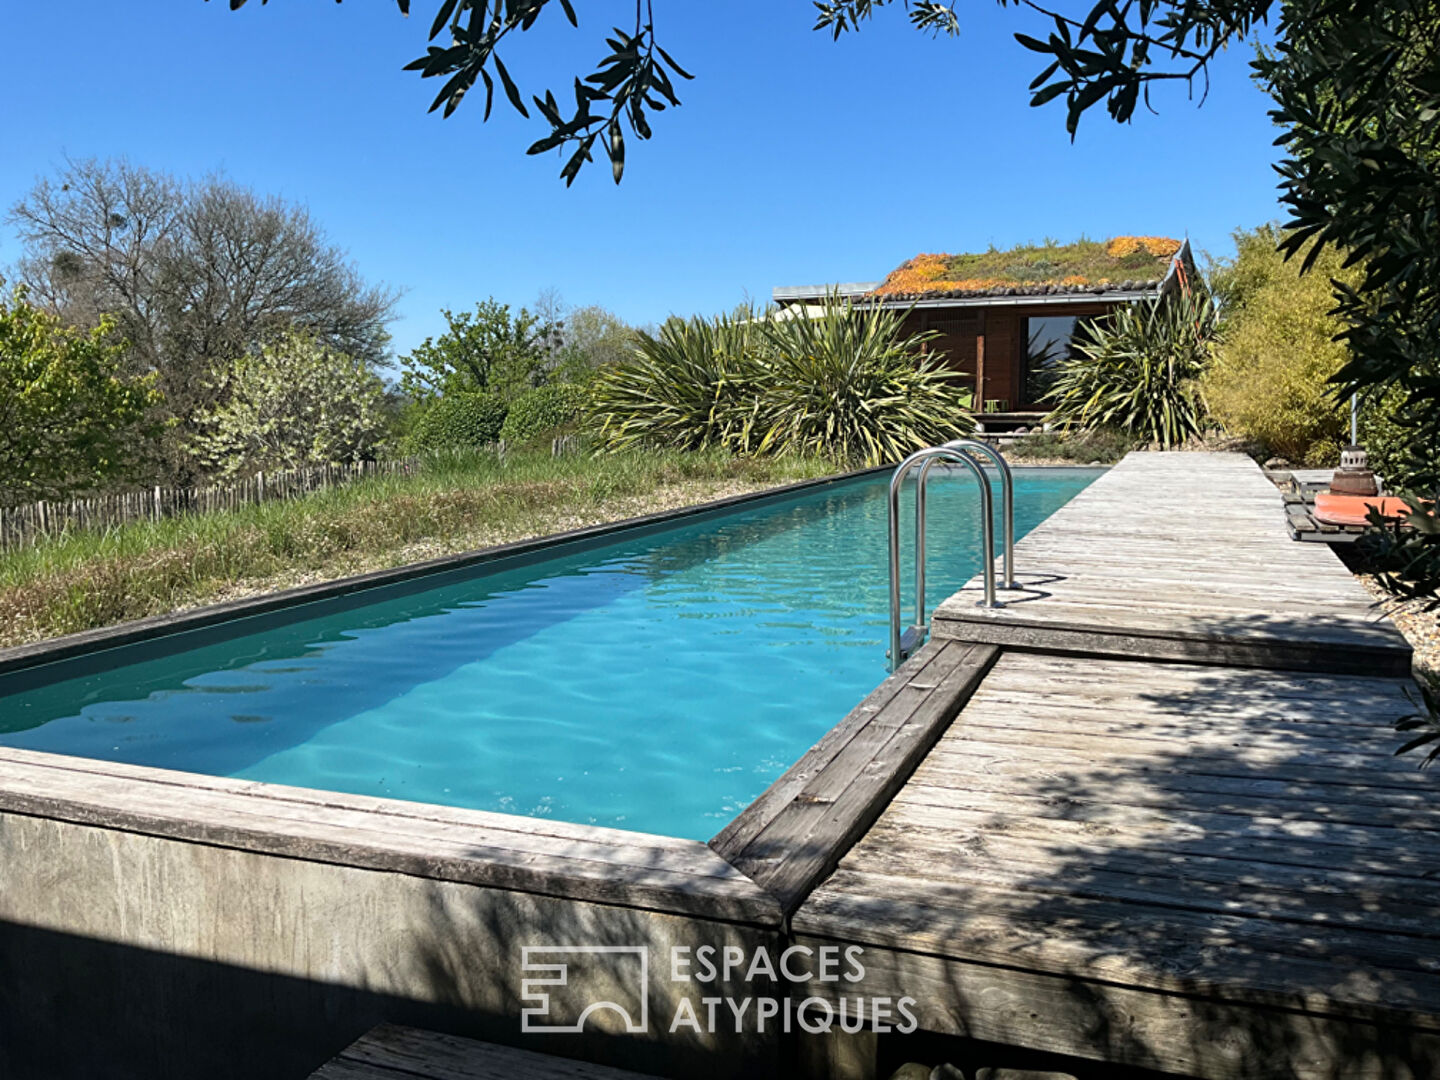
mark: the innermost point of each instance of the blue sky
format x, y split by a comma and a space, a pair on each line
795, 160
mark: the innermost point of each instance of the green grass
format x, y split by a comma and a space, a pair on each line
456, 502
1052, 261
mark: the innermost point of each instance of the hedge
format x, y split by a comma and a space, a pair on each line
459, 420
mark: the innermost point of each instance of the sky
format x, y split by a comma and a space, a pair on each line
794, 160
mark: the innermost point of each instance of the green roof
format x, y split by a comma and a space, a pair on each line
1085, 265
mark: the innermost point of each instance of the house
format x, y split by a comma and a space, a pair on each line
1004, 317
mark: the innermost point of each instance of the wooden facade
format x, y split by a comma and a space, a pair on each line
987, 344
984, 327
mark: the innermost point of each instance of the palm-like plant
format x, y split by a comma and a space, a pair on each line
1136, 369
688, 387
849, 384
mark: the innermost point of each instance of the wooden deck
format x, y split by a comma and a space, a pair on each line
1196, 867
787, 840
391, 1052
1183, 556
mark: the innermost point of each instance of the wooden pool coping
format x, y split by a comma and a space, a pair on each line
791, 837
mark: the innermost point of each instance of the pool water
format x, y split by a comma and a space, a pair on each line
657, 682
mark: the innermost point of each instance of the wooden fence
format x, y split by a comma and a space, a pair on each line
21, 525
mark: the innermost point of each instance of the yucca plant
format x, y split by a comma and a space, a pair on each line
1135, 370
688, 387
849, 384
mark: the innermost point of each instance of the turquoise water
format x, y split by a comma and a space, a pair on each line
657, 683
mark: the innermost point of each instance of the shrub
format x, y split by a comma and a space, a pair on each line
71, 420
295, 403
1099, 446
687, 387
843, 384
542, 410
1135, 371
490, 350
1270, 377
846, 384
1396, 445
459, 421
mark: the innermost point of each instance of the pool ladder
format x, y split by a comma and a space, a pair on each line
904, 642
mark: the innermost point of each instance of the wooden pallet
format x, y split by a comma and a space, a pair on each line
1300, 519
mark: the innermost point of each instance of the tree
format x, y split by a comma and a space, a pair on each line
70, 419
1357, 90
295, 403
490, 349
591, 338
1110, 54
1270, 378
1356, 86
192, 274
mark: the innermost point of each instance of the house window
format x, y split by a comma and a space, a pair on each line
1047, 342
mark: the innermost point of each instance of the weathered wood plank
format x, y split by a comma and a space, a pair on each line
391, 1052
838, 790
1307, 895
733, 839
1088, 840
1191, 952
950, 780
984, 763
1116, 572
1170, 1033
1221, 842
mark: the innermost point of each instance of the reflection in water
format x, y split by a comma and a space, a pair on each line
658, 683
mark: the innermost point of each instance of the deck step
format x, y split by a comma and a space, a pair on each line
1188, 557
391, 1052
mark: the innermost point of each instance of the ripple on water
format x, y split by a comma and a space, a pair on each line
657, 684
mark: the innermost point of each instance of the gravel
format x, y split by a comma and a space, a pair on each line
1421, 628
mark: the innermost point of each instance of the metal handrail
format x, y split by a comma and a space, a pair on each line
1007, 492
898, 639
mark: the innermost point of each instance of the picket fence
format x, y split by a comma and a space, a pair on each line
21, 525
28, 524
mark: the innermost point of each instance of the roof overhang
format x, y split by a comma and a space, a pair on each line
802, 294
812, 294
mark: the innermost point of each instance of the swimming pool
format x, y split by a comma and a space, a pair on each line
656, 681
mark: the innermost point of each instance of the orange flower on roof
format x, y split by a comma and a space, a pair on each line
926, 273
928, 267
1031, 267
1162, 247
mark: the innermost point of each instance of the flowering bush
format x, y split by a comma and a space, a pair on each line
296, 402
